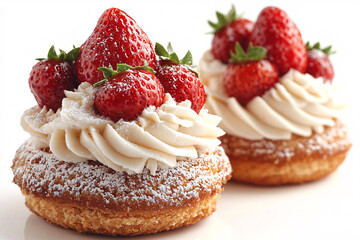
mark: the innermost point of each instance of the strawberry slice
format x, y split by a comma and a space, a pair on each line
275, 31
249, 75
51, 76
319, 64
229, 30
178, 78
126, 92
116, 39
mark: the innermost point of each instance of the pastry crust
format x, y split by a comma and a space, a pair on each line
90, 197
101, 221
298, 160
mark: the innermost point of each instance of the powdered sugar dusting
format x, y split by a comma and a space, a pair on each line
333, 140
160, 135
298, 104
94, 184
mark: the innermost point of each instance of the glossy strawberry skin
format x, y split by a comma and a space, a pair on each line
319, 65
181, 83
225, 39
116, 39
244, 81
127, 94
276, 32
48, 80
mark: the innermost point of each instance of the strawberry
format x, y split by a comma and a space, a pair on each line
127, 92
276, 32
229, 30
319, 64
116, 39
178, 78
249, 75
50, 77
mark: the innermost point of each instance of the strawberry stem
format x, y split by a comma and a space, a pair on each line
187, 59
146, 67
99, 82
253, 54
224, 20
52, 53
161, 51
108, 72
72, 55
327, 50
169, 54
68, 57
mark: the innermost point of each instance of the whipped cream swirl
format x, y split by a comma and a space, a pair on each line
75, 133
298, 104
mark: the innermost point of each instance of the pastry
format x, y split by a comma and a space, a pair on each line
120, 153
276, 99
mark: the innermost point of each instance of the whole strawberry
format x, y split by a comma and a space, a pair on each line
249, 75
50, 77
127, 92
319, 64
178, 78
276, 32
229, 30
116, 39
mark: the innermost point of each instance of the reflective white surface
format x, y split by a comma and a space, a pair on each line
326, 209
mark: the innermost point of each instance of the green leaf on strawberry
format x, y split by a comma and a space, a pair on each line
174, 57
109, 72
72, 55
223, 19
169, 54
68, 57
187, 59
327, 50
52, 53
62, 54
161, 51
123, 67
253, 54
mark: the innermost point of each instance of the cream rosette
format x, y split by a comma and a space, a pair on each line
157, 138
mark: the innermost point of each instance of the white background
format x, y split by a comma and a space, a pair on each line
326, 209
